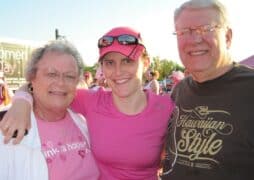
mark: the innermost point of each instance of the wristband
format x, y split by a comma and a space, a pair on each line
23, 95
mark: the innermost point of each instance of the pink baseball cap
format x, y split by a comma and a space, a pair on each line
132, 51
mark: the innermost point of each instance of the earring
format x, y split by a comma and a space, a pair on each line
30, 88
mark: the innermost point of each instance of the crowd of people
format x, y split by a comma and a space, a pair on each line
202, 130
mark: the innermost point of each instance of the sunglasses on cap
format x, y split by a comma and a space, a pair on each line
122, 39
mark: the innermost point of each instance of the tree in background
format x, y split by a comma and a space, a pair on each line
91, 69
165, 67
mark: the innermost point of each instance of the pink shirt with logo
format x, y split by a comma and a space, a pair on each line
66, 151
125, 146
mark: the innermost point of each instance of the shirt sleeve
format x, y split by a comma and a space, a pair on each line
79, 103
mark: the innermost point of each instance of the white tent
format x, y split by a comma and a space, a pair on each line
249, 61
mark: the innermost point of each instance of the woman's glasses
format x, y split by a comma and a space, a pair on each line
122, 39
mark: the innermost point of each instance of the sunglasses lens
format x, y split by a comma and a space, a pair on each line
122, 39
105, 41
127, 39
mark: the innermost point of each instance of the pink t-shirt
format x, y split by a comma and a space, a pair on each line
125, 146
66, 151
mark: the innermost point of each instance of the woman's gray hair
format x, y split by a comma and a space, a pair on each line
201, 4
60, 46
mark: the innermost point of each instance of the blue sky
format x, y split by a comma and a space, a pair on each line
84, 21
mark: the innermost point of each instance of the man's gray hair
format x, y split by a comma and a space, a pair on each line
200, 4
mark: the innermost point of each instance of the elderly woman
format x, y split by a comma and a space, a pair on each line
57, 146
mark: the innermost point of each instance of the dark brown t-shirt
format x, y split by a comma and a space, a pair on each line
212, 129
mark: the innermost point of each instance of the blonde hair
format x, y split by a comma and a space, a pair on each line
155, 74
6, 96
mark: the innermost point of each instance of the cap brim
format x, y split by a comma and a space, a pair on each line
131, 51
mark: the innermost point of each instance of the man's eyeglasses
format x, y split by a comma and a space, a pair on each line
200, 30
122, 39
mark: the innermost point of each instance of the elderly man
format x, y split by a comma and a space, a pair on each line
211, 134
